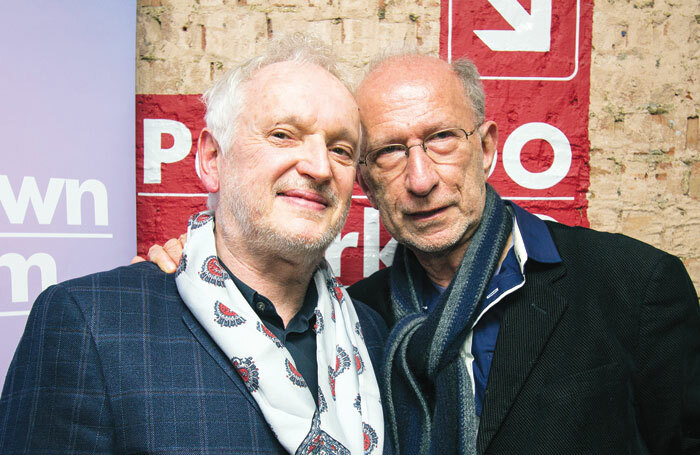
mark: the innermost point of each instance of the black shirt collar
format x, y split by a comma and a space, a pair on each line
266, 310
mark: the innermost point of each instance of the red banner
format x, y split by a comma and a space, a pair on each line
534, 59
537, 86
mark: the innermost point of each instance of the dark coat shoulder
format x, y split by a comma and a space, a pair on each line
375, 292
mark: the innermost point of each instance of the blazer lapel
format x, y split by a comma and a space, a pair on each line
527, 324
215, 352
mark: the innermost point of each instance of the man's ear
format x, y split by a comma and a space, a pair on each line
365, 187
489, 141
208, 154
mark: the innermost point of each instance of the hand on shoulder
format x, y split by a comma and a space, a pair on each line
167, 256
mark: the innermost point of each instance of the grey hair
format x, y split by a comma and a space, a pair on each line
473, 88
463, 68
224, 100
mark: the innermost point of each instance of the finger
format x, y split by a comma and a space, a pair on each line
161, 258
137, 259
183, 239
173, 248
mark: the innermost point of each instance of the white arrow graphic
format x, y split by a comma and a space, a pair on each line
531, 32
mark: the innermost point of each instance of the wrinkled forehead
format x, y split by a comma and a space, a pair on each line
413, 94
416, 70
300, 90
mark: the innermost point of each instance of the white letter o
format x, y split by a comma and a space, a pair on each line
537, 180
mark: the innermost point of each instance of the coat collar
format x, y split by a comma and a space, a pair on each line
215, 352
531, 238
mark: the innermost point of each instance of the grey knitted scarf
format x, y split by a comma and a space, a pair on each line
430, 401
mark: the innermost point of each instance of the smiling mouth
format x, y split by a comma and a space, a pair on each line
304, 198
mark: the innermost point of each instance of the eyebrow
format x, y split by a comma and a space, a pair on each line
340, 133
344, 133
291, 119
426, 131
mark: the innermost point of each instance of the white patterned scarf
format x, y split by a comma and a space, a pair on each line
348, 417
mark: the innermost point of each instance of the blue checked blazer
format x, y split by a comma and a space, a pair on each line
115, 363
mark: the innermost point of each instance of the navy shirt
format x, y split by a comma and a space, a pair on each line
298, 337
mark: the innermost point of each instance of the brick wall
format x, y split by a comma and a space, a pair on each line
645, 91
645, 101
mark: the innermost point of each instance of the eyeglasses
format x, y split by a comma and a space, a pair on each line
441, 146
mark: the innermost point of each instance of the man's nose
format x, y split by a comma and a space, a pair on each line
314, 161
421, 176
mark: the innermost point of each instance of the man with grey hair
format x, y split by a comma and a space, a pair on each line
251, 347
510, 334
